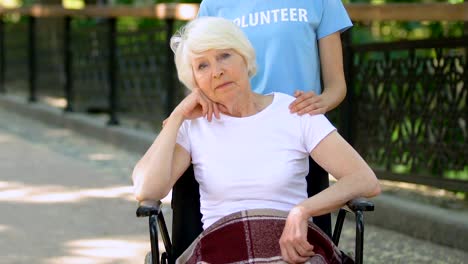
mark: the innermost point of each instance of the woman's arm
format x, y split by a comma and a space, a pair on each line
334, 84
165, 161
354, 176
331, 60
355, 179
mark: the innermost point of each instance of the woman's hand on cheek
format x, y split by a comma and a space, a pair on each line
308, 103
210, 108
196, 105
193, 106
293, 242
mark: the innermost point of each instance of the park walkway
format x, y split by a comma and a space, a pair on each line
66, 198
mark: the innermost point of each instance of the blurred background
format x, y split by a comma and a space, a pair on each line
405, 111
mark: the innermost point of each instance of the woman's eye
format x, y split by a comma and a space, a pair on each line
201, 66
225, 55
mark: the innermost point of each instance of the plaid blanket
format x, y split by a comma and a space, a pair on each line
253, 237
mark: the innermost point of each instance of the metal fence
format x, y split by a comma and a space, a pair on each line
405, 112
70, 62
410, 109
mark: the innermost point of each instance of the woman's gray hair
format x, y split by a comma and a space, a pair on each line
206, 33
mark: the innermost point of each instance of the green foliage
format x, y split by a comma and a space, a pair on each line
383, 31
124, 2
179, 1
28, 2
131, 2
401, 1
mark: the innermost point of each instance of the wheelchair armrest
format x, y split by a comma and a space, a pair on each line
360, 204
357, 206
148, 208
152, 209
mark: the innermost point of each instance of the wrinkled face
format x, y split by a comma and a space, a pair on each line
220, 73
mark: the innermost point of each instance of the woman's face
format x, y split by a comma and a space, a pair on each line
220, 73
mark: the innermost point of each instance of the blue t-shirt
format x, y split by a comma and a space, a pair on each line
284, 34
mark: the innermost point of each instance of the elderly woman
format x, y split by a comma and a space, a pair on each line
252, 155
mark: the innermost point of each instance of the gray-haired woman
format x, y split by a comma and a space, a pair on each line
253, 155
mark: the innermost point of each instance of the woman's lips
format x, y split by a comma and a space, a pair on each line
223, 85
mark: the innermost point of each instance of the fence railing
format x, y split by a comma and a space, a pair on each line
405, 110
93, 60
410, 108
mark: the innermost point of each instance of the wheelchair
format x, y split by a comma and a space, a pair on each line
187, 225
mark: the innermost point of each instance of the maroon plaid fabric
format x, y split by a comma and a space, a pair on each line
253, 237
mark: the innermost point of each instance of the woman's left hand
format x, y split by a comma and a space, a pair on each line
293, 242
308, 103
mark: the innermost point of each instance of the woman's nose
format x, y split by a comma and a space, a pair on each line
218, 72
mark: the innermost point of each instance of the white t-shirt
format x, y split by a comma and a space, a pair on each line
259, 161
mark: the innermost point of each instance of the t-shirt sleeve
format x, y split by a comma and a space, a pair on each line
314, 129
204, 9
183, 138
334, 18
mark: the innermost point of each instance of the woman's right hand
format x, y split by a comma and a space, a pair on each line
196, 105
293, 242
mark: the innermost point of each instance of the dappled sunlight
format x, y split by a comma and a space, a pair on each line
181, 11
186, 11
104, 250
423, 189
73, 4
4, 228
5, 138
19, 192
55, 101
101, 156
16, 191
10, 3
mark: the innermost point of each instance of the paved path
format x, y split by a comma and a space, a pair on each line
65, 198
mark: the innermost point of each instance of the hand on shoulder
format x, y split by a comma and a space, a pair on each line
308, 103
